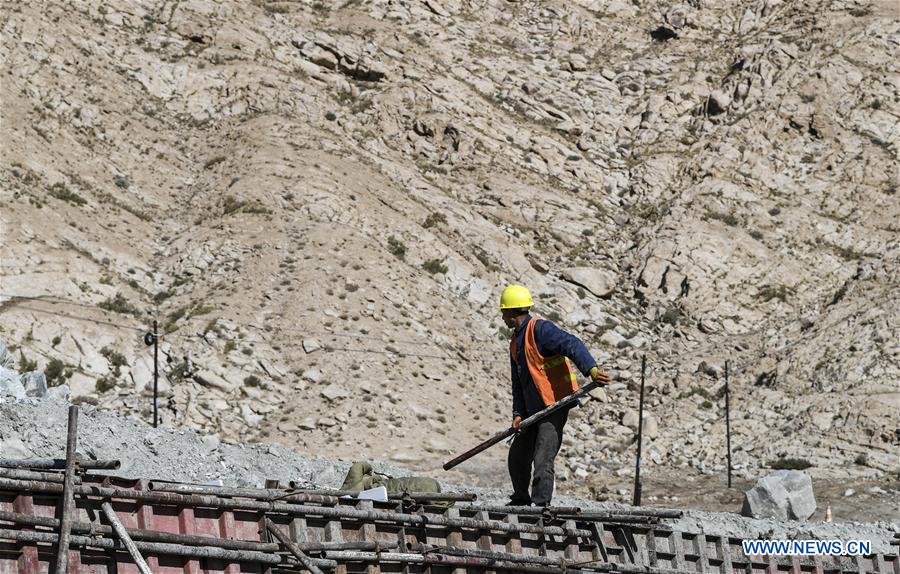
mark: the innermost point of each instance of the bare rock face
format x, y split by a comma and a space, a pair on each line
600, 282
782, 495
303, 194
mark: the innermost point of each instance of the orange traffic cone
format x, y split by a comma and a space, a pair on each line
828, 516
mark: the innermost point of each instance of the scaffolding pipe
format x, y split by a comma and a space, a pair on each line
21, 474
157, 548
523, 510
68, 496
289, 544
191, 540
126, 540
417, 496
59, 463
424, 519
265, 494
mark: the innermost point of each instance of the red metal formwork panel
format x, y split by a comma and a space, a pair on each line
34, 558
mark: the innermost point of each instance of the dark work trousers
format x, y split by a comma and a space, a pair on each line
537, 445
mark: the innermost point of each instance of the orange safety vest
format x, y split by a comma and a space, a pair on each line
553, 376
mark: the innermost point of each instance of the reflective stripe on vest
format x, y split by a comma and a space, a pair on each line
553, 376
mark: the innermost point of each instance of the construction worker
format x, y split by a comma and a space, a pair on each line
540, 355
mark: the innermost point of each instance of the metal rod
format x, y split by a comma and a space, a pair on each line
126, 540
425, 519
533, 419
155, 371
188, 539
637, 463
610, 514
728, 423
525, 510
268, 494
618, 518
289, 544
530, 559
68, 496
149, 547
442, 559
417, 496
59, 463
20, 474
139, 534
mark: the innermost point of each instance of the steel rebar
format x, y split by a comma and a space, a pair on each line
289, 544
524, 510
59, 463
126, 540
610, 514
267, 494
531, 559
533, 419
149, 547
424, 519
21, 474
417, 496
191, 539
68, 496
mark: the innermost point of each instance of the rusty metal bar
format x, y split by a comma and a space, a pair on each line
149, 547
533, 419
289, 544
21, 474
632, 512
68, 496
209, 501
541, 560
443, 560
267, 494
524, 510
59, 463
190, 540
417, 496
126, 540
424, 519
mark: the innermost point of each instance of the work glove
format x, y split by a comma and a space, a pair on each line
598, 375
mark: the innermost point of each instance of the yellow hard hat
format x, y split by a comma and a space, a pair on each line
516, 297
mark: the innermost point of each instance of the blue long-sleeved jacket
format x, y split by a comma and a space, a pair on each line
550, 340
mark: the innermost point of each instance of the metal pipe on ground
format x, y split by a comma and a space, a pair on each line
68, 496
289, 544
126, 540
424, 519
59, 463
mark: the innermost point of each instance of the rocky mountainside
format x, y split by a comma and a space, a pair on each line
320, 201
